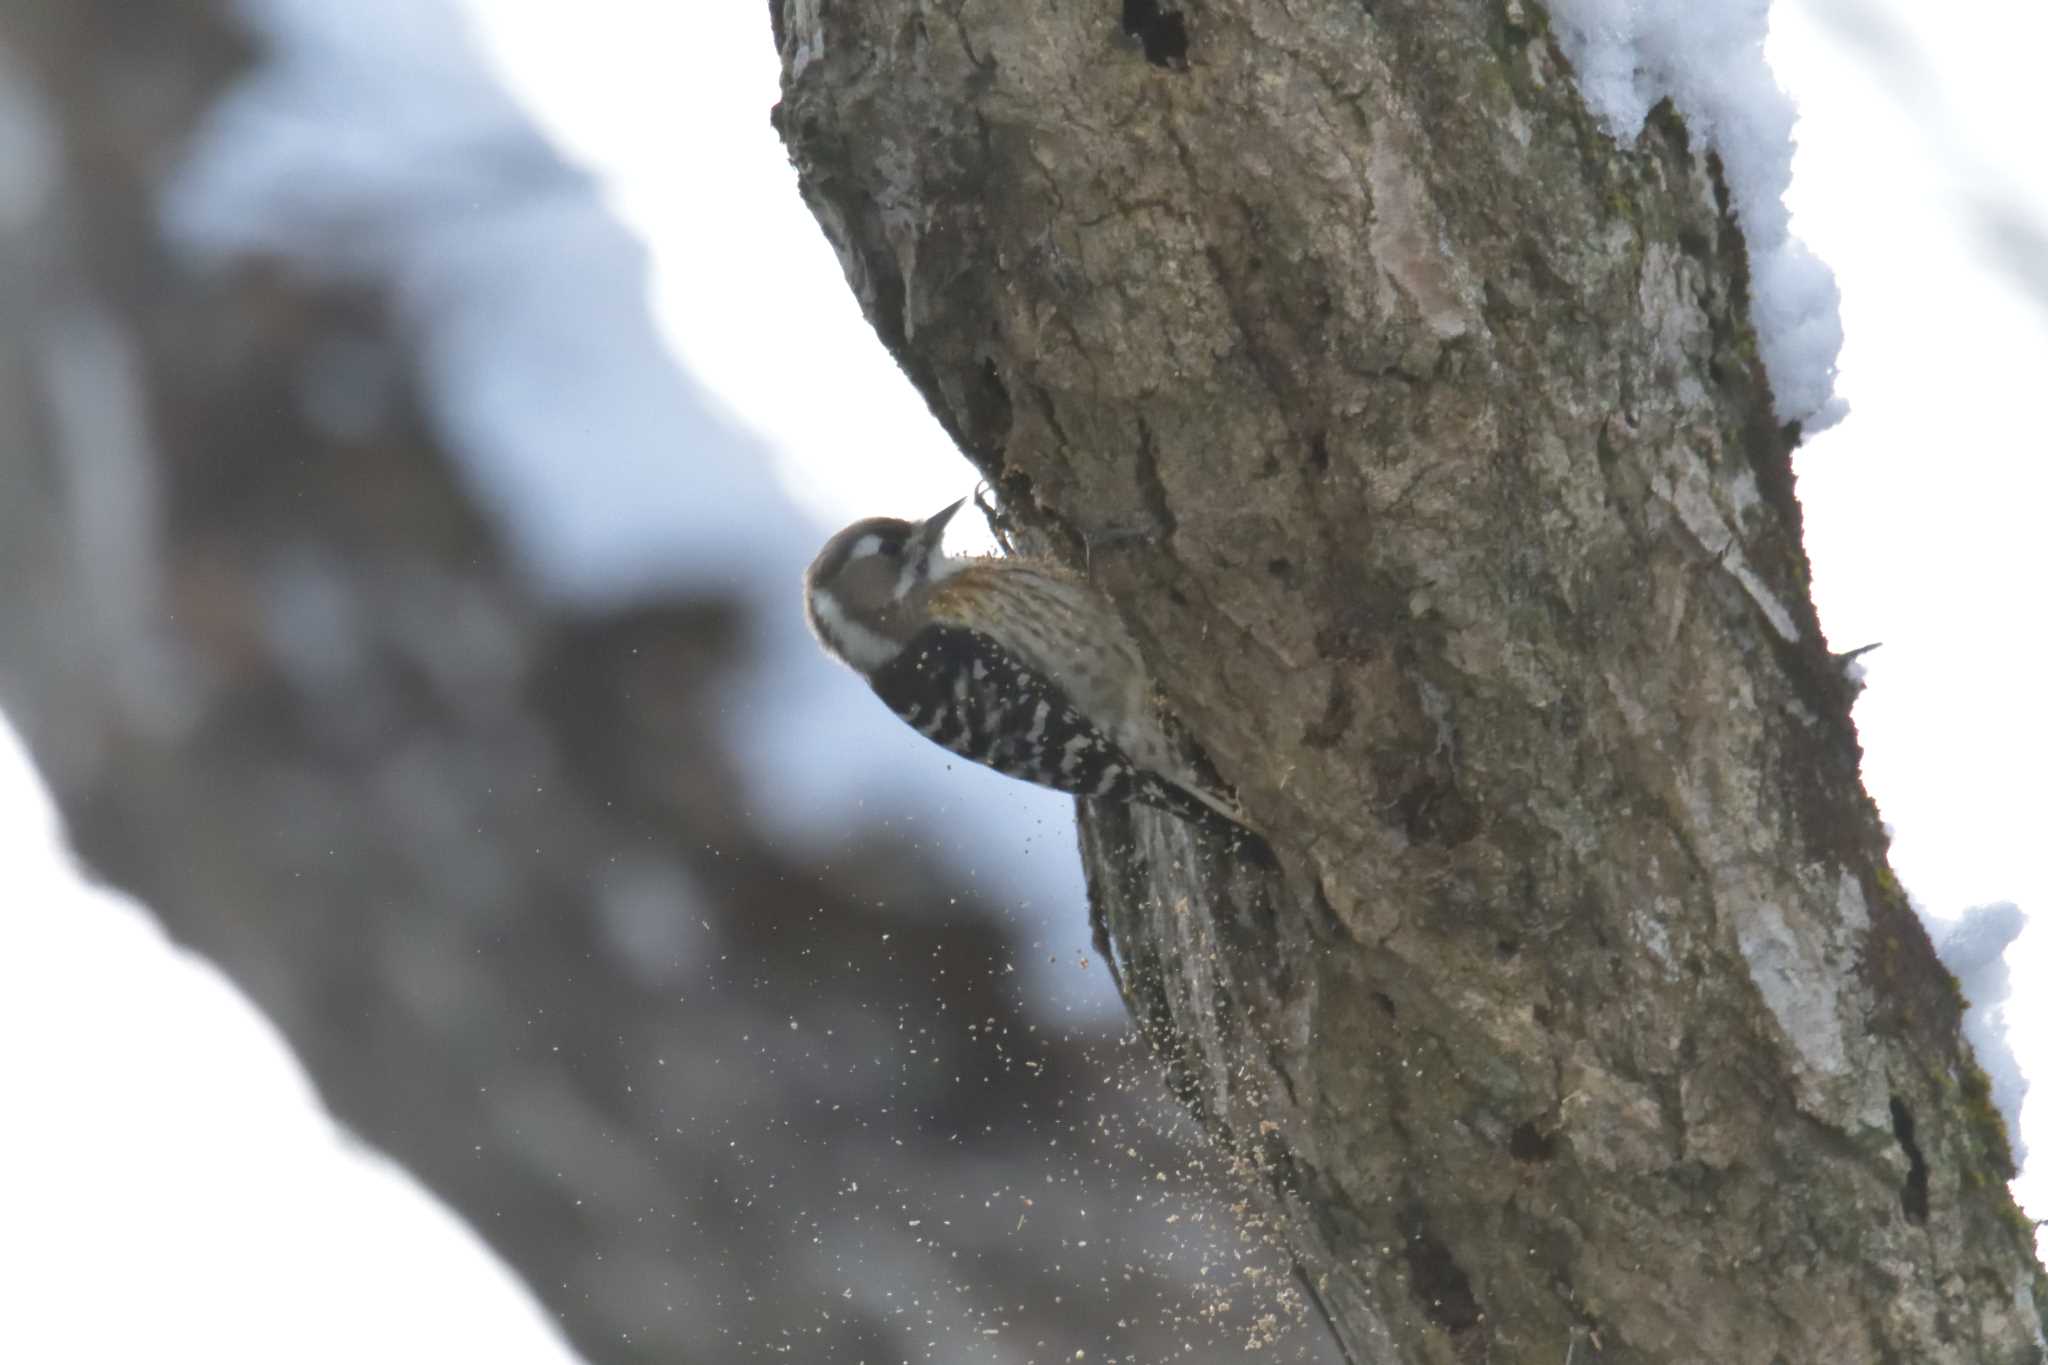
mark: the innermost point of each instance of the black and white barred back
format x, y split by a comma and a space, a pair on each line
953, 688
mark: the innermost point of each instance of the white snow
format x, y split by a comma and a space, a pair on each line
174, 1190
1707, 58
1973, 948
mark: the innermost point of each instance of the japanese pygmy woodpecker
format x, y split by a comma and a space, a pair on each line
1010, 662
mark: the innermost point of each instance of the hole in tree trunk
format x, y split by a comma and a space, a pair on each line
1162, 33
1913, 1195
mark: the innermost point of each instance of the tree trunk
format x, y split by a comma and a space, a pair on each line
1417, 428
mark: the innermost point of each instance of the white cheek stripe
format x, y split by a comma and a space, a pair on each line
865, 649
936, 567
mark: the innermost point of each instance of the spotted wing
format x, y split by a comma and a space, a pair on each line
967, 693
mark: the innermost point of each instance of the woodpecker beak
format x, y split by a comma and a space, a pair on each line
933, 530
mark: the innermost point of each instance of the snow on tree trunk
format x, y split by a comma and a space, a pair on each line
1418, 428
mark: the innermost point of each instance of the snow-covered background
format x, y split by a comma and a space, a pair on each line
1916, 181
173, 1189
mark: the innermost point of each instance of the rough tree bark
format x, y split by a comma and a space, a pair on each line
1417, 427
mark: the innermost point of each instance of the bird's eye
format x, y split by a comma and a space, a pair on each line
893, 548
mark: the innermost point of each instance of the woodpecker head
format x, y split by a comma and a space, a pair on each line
861, 593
